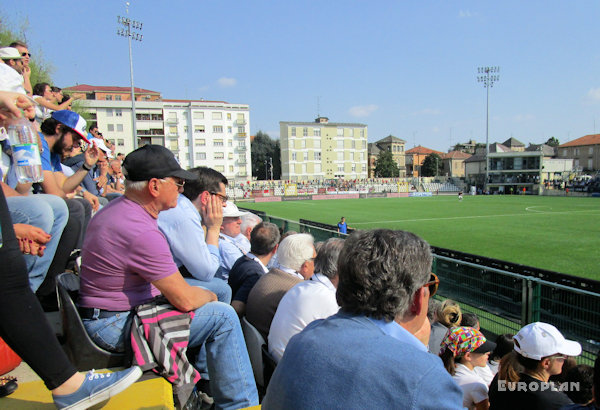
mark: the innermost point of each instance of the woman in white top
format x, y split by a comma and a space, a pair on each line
464, 349
43, 95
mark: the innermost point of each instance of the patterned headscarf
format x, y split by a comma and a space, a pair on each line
461, 340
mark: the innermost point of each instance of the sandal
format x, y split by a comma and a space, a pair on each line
8, 385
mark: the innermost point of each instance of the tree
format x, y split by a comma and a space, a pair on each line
385, 166
432, 165
553, 142
262, 149
41, 70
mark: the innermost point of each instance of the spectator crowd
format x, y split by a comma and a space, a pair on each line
348, 324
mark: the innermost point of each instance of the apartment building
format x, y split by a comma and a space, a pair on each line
200, 133
210, 133
585, 152
323, 150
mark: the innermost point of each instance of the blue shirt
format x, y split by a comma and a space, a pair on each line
50, 160
343, 227
396, 331
182, 226
230, 252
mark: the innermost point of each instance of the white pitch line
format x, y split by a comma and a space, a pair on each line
472, 217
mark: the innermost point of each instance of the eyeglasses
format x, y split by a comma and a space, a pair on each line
25, 54
433, 284
180, 184
224, 198
560, 357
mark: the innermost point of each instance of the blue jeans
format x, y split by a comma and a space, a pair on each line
216, 326
48, 212
218, 286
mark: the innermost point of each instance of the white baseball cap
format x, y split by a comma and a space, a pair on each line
100, 144
537, 340
231, 211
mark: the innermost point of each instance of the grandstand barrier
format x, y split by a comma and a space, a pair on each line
505, 295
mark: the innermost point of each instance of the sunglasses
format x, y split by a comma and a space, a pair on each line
433, 284
224, 198
25, 54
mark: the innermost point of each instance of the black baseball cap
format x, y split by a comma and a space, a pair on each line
153, 161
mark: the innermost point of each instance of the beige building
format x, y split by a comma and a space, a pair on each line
585, 152
392, 144
453, 164
323, 150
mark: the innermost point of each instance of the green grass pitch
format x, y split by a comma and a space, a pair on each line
556, 233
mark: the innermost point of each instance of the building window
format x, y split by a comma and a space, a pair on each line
340, 168
317, 168
591, 151
219, 155
317, 132
174, 145
306, 156
340, 144
120, 127
241, 130
198, 128
305, 132
353, 167
118, 112
240, 117
110, 127
340, 132
229, 130
218, 129
317, 156
576, 152
117, 98
229, 116
186, 129
173, 130
303, 144
109, 112
339, 156
218, 143
108, 98
293, 156
200, 156
198, 115
220, 168
317, 143
217, 115
186, 142
293, 131
200, 142
120, 142
172, 115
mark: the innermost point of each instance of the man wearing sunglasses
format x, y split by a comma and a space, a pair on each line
24, 52
373, 353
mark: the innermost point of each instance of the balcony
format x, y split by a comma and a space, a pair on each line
241, 134
240, 122
172, 121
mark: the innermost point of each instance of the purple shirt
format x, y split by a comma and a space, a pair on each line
122, 254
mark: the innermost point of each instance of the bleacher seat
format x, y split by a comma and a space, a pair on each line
254, 342
80, 348
269, 365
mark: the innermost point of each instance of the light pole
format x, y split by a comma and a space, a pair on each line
128, 24
488, 77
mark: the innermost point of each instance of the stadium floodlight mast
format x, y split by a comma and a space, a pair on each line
126, 31
488, 76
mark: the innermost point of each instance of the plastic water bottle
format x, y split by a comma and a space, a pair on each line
25, 151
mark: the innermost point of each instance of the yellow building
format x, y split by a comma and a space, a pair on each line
323, 150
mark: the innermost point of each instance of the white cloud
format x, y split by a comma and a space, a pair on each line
362, 110
523, 117
466, 14
227, 82
594, 94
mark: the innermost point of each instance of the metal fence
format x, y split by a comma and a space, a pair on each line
505, 296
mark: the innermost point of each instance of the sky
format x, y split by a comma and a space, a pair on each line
404, 68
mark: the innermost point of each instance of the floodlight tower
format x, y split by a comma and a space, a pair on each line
126, 31
488, 76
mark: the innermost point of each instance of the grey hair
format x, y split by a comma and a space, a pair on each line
432, 309
294, 250
135, 186
326, 262
380, 271
249, 220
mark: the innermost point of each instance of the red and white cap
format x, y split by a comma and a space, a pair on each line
72, 120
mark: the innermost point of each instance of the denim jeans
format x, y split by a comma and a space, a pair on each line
218, 286
48, 212
215, 325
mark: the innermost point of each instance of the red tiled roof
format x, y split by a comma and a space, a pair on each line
109, 88
422, 150
456, 155
187, 101
592, 139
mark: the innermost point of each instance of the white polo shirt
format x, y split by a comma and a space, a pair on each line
307, 301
